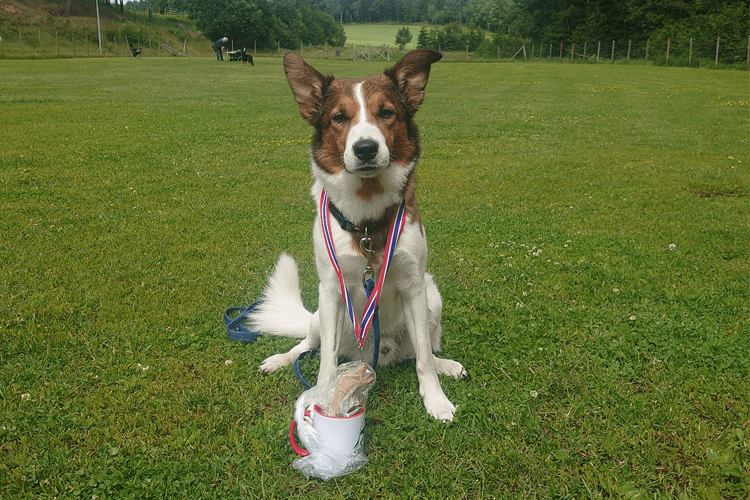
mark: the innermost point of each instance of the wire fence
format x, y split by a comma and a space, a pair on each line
693, 52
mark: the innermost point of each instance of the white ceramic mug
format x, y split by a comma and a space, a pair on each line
341, 434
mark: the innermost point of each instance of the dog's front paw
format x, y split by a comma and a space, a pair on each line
274, 362
451, 368
440, 407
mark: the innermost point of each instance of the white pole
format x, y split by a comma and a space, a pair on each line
98, 26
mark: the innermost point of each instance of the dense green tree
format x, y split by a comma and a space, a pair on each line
403, 36
450, 37
288, 23
424, 40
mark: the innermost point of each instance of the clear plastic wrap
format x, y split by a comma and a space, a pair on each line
330, 423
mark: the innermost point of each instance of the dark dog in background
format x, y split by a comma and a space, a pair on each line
246, 58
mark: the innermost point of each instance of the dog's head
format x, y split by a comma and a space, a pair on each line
362, 126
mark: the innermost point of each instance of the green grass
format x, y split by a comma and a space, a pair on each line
378, 35
141, 198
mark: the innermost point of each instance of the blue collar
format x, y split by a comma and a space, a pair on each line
343, 221
348, 226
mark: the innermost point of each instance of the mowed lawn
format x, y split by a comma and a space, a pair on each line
379, 35
588, 229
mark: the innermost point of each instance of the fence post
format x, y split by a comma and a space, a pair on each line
560, 51
498, 49
87, 46
57, 45
628, 59
550, 49
598, 50
690, 57
20, 40
584, 50
572, 48
184, 47
613, 52
40, 42
747, 63
467, 52
648, 40
669, 41
716, 64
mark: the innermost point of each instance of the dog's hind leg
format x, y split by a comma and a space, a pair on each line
273, 363
435, 312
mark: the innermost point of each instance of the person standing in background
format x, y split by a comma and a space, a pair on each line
218, 47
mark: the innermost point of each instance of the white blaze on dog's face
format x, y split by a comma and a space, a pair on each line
363, 127
366, 150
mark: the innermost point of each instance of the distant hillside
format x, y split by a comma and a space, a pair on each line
43, 28
34, 11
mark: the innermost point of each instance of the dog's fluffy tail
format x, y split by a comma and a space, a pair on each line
280, 311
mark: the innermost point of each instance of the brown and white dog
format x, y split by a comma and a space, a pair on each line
364, 149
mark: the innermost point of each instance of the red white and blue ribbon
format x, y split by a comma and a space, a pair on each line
397, 226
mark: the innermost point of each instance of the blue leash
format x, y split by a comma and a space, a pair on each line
237, 331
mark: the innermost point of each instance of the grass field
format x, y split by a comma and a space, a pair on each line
588, 228
378, 35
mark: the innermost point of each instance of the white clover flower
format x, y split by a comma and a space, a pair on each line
25, 396
672, 246
228, 362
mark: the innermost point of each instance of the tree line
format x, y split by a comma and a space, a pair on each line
560, 21
456, 24
258, 23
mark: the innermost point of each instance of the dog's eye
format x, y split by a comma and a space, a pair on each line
386, 113
340, 118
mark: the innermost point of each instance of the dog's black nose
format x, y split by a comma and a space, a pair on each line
365, 149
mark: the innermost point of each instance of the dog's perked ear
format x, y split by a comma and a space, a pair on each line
410, 75
308, 86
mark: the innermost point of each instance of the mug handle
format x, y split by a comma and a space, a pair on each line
297, 448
